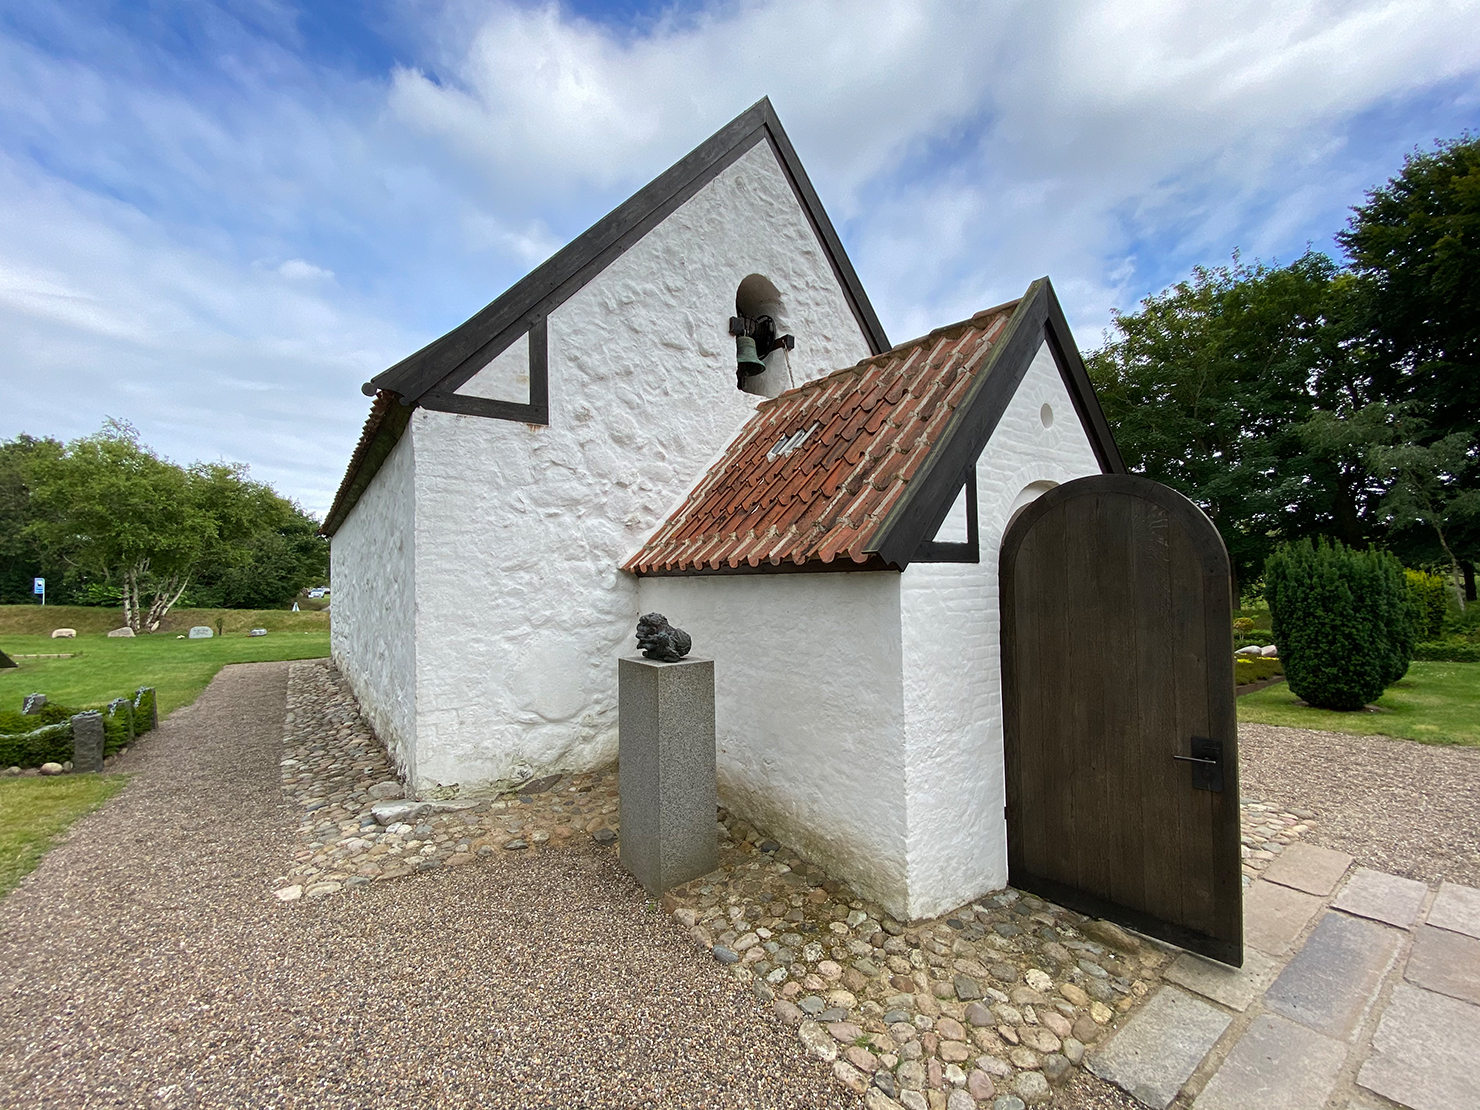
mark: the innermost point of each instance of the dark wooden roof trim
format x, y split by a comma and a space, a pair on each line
536, 411
918, 515
383, 430
1081, 389
938, 551
446, 363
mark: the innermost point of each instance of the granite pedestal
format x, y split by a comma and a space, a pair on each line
87, 742
667, 768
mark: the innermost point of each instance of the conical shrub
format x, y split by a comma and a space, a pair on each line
1342, 621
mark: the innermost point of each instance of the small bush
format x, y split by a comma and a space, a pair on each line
1342, 620
1429, 595
47, 744
29, 740
1247, 669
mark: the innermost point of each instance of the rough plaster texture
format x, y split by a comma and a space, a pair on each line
505, 378
951, 633
372, 634
519, 530
808, 711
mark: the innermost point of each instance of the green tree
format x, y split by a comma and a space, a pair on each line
1416, 245
265, 548
1211, 387
1415, 248
1426, 487
21, 558
111, 508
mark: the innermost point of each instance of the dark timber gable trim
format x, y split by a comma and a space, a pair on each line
918, 515
431, 377
446, 363
536, 411
937, 551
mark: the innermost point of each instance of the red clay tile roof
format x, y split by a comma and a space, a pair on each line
383, 427
815, 473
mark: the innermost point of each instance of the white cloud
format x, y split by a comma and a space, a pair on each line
296, 269
963, 148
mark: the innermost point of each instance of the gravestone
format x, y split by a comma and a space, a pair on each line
87, 742
665, 715
201, 632
124, 633
33, 703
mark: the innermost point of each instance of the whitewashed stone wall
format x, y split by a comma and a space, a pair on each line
808, 711
372, 631
521, 610
951, 633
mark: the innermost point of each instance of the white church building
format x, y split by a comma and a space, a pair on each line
579, 452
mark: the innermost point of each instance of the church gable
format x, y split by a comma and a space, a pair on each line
497, 364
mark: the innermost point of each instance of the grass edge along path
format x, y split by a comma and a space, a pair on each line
34, 812
103, 668
1435, 703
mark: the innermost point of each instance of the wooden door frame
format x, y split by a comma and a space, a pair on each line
1216, 568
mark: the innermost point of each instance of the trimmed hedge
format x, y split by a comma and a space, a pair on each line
1342, 620
1249, 668
29, 740
1429, 595
1451, 649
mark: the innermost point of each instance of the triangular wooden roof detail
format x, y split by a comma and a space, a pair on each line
448, 362
432, 375
858, 469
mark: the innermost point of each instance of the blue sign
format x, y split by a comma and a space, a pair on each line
39, 587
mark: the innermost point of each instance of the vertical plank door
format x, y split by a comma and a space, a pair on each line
1120, 738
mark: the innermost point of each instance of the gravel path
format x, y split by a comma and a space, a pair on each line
146, 963
1396, 805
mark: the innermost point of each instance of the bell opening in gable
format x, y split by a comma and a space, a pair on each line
762, 347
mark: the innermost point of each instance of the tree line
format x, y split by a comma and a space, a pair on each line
1323, 398
107, 521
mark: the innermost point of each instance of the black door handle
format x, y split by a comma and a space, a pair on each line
1207, 764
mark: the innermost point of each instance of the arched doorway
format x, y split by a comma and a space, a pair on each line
1118, 711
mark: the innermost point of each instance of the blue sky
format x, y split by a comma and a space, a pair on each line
220, 219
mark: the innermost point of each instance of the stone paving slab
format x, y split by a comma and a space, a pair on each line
1457, 908
1425, 1052
1330, 982
1275, 915
1157, 1051
1235, 988
1382, 897
1446, 962
1309, 868
1276, 1065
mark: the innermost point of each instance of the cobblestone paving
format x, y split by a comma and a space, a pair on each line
990, 1005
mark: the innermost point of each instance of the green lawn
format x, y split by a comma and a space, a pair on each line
34, 810
103, 669
39, 620
1438, 703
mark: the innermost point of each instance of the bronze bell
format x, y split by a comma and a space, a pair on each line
747, 362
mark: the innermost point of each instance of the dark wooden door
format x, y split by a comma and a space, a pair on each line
1117, 666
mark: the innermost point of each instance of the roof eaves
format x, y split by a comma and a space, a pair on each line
382, 431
